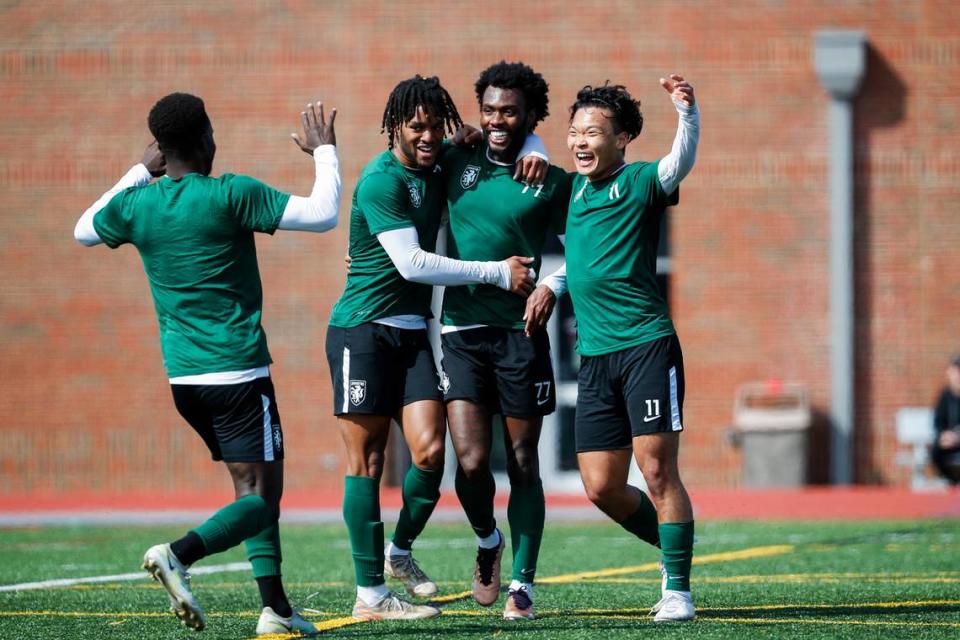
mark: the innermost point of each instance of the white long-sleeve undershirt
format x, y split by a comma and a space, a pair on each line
317, 212
417, 265
675, 166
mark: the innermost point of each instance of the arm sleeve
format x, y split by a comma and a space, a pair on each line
533, 146
417, 265
85, 232
318, 212
675, 166
257, 206
557, 281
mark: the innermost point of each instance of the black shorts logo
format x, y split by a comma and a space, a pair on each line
277, 438
358, 391
444, 383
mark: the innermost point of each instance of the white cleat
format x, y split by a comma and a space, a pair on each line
674, 606
271, 622
163, 565
390, 607
406, 570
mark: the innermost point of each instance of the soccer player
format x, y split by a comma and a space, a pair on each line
490, 363
381, 362
631, 385
195, 236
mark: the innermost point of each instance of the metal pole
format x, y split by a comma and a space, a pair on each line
840, 61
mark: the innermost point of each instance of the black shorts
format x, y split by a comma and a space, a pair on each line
500, 368
238, 422
629, 393
377, 369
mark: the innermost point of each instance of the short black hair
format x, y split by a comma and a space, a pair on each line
625, 110
178, 122
415, 92
517, 75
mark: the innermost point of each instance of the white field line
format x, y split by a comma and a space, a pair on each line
120, 577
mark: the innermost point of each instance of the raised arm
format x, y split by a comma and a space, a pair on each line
152, 165
417, 265
318, 212
675, 166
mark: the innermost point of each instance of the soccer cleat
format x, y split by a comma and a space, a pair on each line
406, 570
166, 568
390, 607
271, 622
486, 574
674, 606
519, 606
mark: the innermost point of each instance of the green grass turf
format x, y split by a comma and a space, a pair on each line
833, 580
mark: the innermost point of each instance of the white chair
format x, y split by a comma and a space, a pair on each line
915, 430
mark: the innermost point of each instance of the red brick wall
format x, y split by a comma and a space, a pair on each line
85, 403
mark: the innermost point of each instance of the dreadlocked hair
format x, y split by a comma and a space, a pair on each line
626, 111
518, 76
426, 93
178, 122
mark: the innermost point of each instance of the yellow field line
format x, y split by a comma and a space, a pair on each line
726, 556
862, 623
800, 578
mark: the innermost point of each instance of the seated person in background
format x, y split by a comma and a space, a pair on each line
946, 421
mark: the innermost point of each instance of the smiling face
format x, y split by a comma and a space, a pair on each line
504, 120
597, 150
418, 140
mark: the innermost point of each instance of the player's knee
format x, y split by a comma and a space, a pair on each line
524, 469
602, 494
369, 465
474, 465
429, 457
659, 478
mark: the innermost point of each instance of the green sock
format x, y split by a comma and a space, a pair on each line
476, 498
263, 552
643, 522
235, 523
676, 540
361, 513
421, 490
525, 512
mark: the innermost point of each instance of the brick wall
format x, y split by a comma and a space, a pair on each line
85, 404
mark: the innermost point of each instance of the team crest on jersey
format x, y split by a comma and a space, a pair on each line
444, 382
358, 391
415, 198
469, 177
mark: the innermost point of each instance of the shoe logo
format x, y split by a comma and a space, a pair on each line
650, 418
358, 391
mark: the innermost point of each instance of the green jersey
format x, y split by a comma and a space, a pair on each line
613, 227
493, 217
195, 237
388, 196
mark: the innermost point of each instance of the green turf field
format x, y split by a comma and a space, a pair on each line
752, 580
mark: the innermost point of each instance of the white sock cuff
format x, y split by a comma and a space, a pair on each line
372, 595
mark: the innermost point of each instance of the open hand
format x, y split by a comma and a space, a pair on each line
679, 89
317, 130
